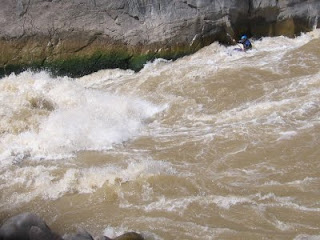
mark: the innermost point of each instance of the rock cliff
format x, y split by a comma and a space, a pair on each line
76, 37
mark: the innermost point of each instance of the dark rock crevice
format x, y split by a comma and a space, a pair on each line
22, 7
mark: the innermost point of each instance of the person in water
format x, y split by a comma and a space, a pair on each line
246, 43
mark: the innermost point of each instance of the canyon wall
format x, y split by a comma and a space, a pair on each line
76, 37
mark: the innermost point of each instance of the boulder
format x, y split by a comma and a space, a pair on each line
26, 226
37, 233
102, 238
129, 236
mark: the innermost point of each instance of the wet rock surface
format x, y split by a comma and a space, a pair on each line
28, 226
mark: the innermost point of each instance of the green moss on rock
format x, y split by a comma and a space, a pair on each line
18, 68
81, 65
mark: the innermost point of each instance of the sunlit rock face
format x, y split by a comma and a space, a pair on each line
79, 37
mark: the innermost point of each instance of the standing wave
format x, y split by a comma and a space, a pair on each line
52, 118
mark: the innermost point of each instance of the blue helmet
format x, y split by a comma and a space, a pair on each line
244, 37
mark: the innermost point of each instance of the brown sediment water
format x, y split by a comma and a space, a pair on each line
217, 145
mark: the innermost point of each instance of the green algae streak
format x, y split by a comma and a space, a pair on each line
79, 64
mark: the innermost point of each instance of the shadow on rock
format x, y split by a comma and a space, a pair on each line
28, 226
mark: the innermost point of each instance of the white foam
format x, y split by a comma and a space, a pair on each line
282, 226
307, 237
105, 78
283, 202
229, 201
79, 119
151, 65
46, 183
180, 205
287, 135
113, 232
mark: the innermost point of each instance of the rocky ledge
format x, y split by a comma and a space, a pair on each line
79, 37
28, 226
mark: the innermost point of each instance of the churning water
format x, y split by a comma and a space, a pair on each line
217, 145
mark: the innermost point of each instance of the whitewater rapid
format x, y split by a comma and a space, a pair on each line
216, 145
52, 118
